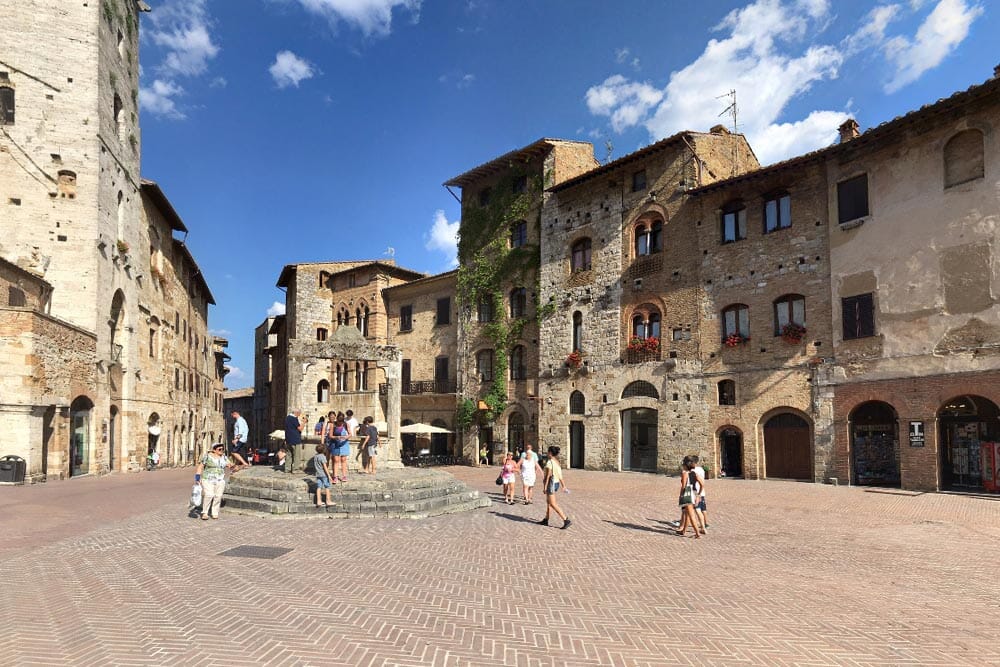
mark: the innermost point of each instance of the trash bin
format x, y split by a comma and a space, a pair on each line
12, 470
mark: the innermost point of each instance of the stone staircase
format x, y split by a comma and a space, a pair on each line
408, 493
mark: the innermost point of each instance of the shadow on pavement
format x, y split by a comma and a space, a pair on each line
635, 526
514, 517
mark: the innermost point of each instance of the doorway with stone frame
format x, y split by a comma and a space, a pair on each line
639, 444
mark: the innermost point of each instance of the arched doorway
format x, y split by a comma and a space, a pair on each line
639, 439
731, 452
80, 411
577, 444
112, 437
515, 432
964, 423
787, 447
874, 445
153, 429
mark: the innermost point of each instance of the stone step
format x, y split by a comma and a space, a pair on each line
343, 493
461, 502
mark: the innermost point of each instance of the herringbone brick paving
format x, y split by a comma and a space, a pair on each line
113, 572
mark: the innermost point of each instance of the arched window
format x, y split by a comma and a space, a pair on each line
484, 365
789, 309
6, 105
518, 364
648, 238
577, 332
361, 316
343, 316
646, 322
734, 222
580, 260
736, 321
358, 375
577, 403
363, 376
519, 234
727, 392
121, 219
484, 311
515, 431
323, 392
321, 334
640, 388
119, 114
963, 158
518, 302
340, 378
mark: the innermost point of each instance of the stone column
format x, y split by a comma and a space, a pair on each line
394, 396
296, 373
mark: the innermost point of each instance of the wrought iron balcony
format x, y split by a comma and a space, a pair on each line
425, 387
641, 356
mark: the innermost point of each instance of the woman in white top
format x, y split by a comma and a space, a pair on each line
528, 467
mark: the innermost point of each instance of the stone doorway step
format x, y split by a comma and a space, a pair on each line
409, 493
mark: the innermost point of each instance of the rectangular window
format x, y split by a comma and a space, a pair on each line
6, 105
518, 234
777, 213
639, 181
734, 225
405, 373
484, 197
152, 343
520, 185
444, 311
406, 318
852, 199
858, 314
737, 321
441, 369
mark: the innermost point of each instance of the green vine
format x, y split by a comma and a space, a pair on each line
465, 413
488, 267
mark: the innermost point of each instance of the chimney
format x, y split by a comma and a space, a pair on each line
719, 129
849, 130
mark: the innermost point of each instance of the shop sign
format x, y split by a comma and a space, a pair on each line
916, 434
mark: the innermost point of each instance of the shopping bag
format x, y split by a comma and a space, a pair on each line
196, 495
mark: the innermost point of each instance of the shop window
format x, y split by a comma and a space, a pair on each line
577, 332
789, 309
736, 321
406, 318
963, 158
518, 302
484, 309
734, 222
518, 364
639, 181
852, 199
858, 314
321, 334
15, 297
519, 234
444, 311
484, 365
777, 213
6, 105
727, 392
577, 403
580, 260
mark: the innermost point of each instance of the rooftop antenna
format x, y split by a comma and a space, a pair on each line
731, 110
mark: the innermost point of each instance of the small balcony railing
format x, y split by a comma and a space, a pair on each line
641, 356
425, 387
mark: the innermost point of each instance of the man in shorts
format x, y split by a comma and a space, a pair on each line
240, 433
370, 444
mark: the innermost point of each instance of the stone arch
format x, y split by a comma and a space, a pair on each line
964, 157
577, 403
964, 423
729, 451
640, 388
873, 438
787, 435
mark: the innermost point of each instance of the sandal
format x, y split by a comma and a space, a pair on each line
204, 517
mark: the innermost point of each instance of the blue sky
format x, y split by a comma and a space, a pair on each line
291, 131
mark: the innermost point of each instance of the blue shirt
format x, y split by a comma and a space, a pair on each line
241, 430
293, 436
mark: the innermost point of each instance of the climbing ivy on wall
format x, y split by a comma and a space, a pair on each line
488, 266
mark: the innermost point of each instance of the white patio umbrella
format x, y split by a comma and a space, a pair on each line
277, 435
422, 429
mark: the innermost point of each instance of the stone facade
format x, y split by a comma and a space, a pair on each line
259, 420
79, 215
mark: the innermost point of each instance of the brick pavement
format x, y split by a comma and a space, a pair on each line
112, 572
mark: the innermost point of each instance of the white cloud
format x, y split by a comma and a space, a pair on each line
625, 102
158, 99
220, 332
459, 79
764, 55
289, 70
235, 374
871, 34
183, 27
944, 29
369, 16
277, 308
443, 237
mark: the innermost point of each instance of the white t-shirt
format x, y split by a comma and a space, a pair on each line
352, 425
700, 472
528, 460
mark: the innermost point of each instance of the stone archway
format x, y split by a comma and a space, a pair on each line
347, 343
787, 447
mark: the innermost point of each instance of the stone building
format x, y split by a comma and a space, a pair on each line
423, 323
498, 287
78, 215
259, 420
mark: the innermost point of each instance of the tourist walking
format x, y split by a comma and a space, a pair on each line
370, 444
528, 467
508, 472
698, 484
322, 475
340, 448
552, 482
211, 472
687, 499
240, 433
293, 440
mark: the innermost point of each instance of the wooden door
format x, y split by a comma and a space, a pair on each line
787, 448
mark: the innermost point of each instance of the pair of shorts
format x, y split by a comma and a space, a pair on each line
372, 451
323, 483
238, 448
528, 480
701, 504
507, 479
341, 450
552, 489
